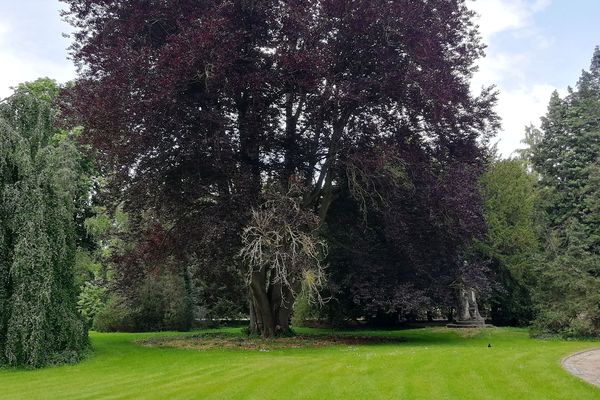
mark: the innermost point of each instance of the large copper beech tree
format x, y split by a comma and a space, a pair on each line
194, 106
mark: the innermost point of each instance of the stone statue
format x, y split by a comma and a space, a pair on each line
467, 310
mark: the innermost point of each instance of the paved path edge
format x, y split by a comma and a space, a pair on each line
567, 368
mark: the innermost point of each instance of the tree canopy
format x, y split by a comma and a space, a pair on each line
195, 107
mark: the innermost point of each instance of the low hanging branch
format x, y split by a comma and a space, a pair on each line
282, 247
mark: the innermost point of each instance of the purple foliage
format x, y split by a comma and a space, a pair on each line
193, 105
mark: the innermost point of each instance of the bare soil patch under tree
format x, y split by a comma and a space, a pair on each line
211, 341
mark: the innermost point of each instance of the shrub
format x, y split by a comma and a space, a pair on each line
164, 304
116, 316
161, 303
303, 310
92, 300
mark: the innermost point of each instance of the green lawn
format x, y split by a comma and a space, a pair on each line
430, 364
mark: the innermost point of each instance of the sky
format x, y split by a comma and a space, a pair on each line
534, 48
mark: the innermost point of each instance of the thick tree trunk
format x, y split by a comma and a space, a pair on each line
264, 323
271, 307
283, 305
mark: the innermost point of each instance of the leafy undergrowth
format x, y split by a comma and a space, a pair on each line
210, 341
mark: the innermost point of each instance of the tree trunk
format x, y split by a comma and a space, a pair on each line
271, 306
261, 306
324, 185
291, 135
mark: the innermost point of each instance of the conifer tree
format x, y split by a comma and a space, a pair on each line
567, 159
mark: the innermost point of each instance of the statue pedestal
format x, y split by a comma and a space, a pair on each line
469, 324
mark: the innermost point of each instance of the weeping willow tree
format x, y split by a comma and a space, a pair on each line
39, 324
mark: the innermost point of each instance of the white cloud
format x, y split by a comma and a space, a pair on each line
520, 108
497, 16
497, 68
15, 69
25, 63
522, 101
4, 27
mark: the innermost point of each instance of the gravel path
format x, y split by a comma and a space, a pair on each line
585, 365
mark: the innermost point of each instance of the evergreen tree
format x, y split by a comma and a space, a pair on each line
569, 147
39, 323
567, 159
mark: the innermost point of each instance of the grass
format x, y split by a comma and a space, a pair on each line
428, 364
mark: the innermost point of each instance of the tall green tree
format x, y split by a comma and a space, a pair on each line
39, 323
569, 147
567, 160
511, 242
